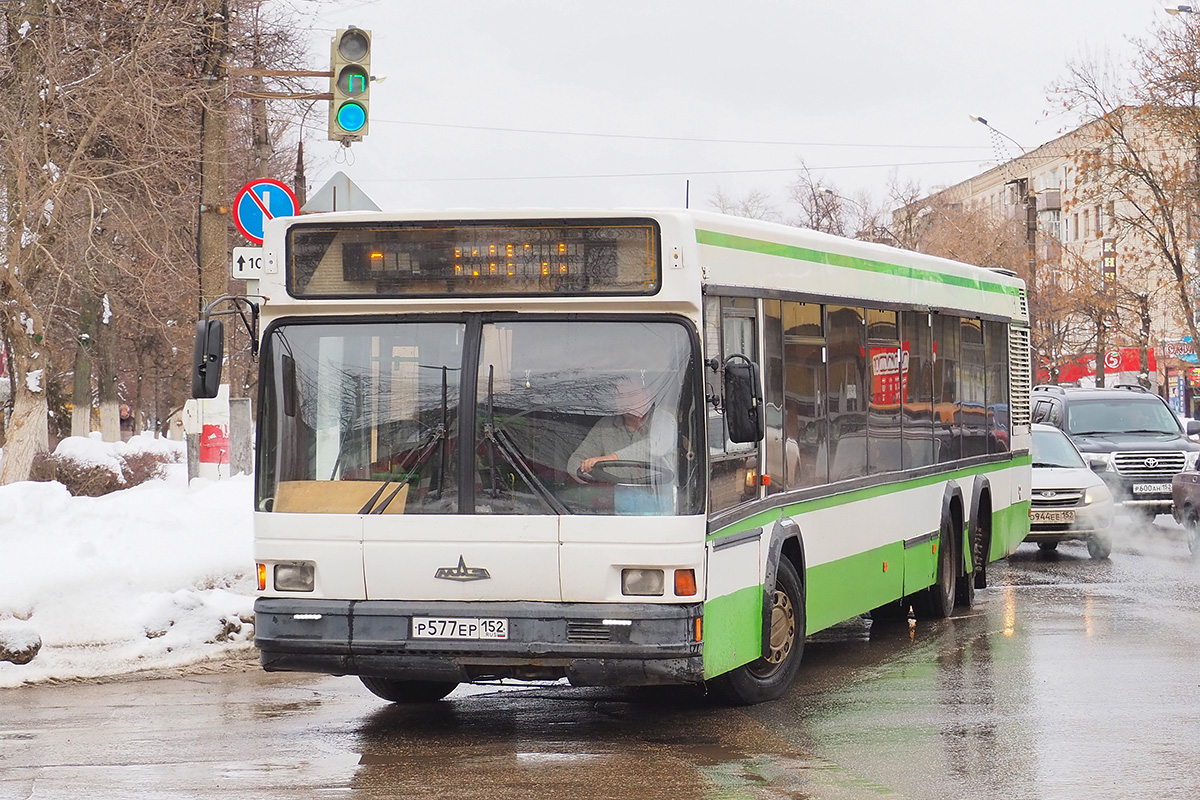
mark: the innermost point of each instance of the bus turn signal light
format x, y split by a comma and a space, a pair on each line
262, 577
685, 582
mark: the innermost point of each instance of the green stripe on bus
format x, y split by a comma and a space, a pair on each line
848, 262
767, 517
732, 630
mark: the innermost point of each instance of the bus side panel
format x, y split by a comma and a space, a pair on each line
733, 610
1010, 526
920, 563
855, 547
842, 589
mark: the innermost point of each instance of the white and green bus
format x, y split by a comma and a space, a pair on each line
824, 428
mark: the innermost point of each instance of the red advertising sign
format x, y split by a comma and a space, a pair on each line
1127, 359
889, 375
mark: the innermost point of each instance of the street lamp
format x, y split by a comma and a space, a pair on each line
985, 124
1180, 10
825, 190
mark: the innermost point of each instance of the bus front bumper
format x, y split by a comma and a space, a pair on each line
590, 644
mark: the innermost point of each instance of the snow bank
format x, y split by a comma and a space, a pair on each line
158, 575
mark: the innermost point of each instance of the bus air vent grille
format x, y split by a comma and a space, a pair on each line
1020, 373
588, 632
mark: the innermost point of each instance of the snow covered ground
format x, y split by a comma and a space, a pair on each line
156, 576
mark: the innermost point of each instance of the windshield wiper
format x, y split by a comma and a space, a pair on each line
500, 438
421, 453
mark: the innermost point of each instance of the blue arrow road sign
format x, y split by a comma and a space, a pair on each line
258, 201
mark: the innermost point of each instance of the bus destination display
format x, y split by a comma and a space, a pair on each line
612, 257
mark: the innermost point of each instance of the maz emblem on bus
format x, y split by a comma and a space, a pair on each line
462, 572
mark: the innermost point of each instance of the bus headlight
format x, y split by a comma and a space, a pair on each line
642, 582
294, 576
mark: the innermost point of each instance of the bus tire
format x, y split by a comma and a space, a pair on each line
979, 529
981, 535
768, 677
937, 601
397, 691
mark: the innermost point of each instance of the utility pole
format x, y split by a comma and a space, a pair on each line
212, 236
212, 228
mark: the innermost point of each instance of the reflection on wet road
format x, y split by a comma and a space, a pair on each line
1071, 678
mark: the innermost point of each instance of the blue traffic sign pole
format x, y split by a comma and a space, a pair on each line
259, 201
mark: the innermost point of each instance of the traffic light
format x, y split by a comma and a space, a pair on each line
350, 84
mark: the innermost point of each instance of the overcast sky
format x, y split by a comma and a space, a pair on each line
623, 103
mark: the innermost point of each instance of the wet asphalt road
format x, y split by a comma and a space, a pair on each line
1070, 679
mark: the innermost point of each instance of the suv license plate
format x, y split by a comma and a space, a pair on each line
459, 628
1052, 516
1152, 488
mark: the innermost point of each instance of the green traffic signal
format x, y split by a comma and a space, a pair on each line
351, 117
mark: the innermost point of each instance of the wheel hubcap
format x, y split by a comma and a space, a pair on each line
783, 635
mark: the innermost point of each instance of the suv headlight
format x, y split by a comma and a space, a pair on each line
1099, 462
1189, 460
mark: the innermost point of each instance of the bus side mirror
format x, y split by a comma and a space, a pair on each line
207, 357
743, 400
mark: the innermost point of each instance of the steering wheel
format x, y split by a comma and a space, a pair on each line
629, 473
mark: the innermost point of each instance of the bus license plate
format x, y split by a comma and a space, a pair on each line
459, 628
1052, 516
1152, 488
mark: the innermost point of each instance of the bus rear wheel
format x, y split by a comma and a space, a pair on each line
768, 677
397, 691
937, 601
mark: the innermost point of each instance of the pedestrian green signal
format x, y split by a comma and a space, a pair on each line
352, 81
349, 84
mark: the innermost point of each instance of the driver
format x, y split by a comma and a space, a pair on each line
638, 432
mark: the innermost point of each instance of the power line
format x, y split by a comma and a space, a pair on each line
545, 132
681, 173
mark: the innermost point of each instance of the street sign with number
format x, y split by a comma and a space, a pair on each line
260, 200
247, 264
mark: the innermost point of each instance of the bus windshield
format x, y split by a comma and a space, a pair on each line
565, 417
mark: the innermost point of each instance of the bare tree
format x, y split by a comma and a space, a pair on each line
821, 207
755, 204
100, 162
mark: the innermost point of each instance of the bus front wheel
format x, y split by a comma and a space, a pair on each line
397, 691
768, 677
